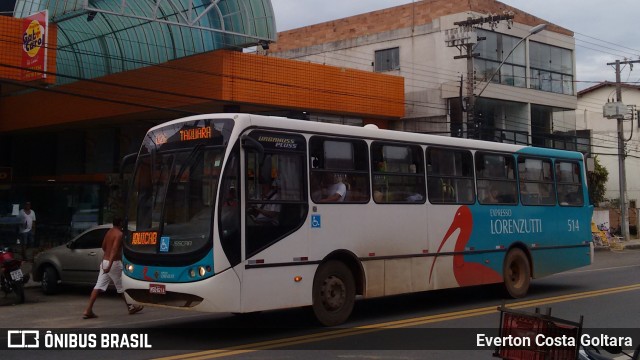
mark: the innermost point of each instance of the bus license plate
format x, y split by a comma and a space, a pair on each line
157, 289
16, 275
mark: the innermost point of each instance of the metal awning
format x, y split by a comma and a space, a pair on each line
102, 37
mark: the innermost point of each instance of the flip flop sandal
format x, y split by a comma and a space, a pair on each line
134, 309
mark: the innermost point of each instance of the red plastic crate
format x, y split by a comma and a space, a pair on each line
529, 325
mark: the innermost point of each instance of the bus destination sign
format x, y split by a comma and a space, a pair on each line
144, 238
196, 133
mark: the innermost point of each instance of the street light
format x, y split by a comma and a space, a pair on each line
534, 30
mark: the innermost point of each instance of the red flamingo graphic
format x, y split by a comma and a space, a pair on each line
144, 274
466, 273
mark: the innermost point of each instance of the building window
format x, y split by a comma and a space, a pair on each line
493, 51
387, 60
551, 68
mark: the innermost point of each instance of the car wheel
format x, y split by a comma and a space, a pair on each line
49, 282
19, 290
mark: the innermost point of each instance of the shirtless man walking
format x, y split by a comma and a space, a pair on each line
110, 269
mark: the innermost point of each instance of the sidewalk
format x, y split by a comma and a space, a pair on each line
622, 245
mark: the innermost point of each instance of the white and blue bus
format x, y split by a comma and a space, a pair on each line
243, 213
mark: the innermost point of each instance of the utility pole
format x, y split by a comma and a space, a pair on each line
465, 38
618, 111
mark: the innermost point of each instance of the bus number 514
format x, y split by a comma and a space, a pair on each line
574, 225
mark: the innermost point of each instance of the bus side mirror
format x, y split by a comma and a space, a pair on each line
251, 144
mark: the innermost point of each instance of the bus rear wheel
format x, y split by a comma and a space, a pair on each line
517, 273
334, 293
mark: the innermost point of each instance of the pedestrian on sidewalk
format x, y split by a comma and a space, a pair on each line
110, 269
27, 228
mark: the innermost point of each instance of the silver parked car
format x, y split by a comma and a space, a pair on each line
77, 262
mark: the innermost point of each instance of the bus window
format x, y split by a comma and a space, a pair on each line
450, 176
536, 181
569, 184
398, 173
496, 182
339, 170
276, 200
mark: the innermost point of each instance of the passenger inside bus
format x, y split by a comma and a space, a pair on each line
492, 196
334, 188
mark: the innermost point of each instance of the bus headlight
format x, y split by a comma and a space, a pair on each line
202, 271
130, 268
192, 273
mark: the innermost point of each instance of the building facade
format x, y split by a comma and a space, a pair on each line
605, 136
531, 98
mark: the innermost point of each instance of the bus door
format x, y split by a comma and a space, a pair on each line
275, 204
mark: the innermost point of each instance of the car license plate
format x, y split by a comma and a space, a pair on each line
157, 289
16, 275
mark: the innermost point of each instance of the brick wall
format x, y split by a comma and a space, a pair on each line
399, 17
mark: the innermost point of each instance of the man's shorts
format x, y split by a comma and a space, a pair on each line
114, 274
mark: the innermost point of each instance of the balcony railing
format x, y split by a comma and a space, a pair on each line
581, 141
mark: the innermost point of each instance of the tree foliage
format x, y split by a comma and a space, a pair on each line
597, 182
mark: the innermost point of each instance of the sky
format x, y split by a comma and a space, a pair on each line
605, 31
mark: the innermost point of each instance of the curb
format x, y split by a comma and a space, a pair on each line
633, 246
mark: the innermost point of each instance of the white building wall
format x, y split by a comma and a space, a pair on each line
605, 134
431, 73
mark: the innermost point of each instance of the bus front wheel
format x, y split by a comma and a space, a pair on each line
334, 293
517, 273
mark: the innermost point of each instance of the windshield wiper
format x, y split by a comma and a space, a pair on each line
187, 162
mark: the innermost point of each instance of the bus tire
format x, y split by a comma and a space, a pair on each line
517, 273
334, 293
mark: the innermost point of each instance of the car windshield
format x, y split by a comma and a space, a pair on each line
173, 192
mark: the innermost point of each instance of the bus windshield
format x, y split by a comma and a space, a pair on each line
173, 190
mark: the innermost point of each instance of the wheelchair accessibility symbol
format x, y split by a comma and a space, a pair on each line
164, 244
315, 221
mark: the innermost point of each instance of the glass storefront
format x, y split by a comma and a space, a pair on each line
62, 210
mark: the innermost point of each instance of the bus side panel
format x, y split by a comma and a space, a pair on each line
402, 232
560, 230
446, 230
276, 288
273, 285
374, 278
371, 231
547, 261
